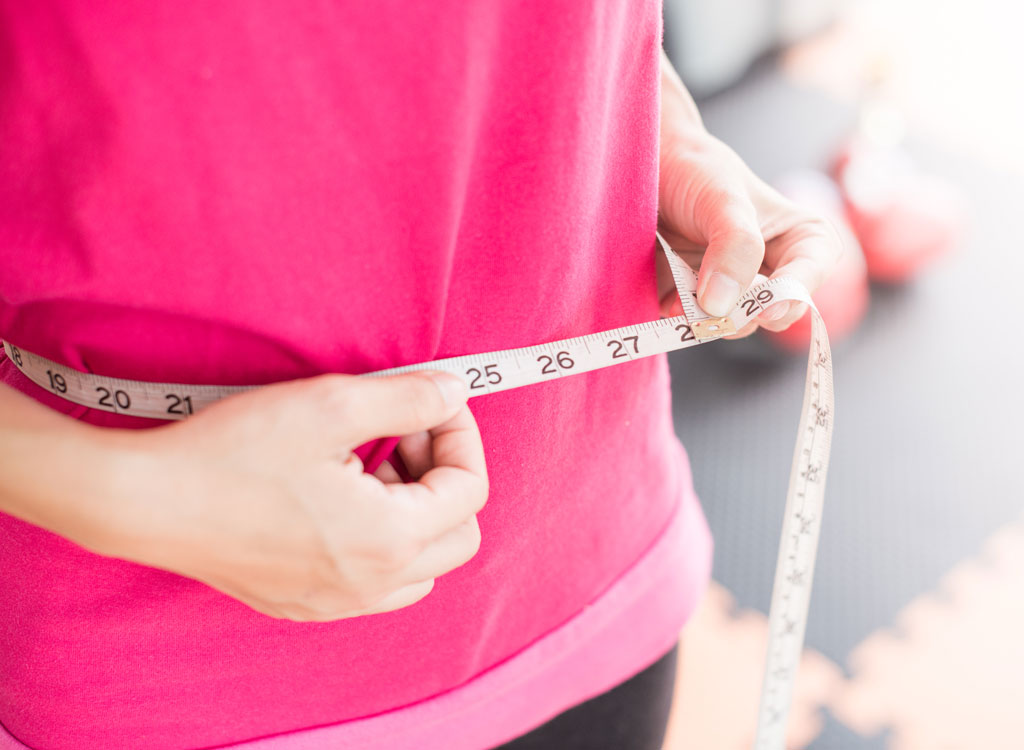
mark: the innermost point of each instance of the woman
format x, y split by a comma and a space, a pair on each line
223, 193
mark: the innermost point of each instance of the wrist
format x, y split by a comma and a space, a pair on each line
681, 123
126, 510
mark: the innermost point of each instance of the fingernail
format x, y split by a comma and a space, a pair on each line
775, 312
453, 390
720, 294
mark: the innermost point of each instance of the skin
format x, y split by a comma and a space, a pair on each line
721, 218
260, 495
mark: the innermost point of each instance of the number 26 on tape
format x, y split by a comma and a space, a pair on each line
552, 364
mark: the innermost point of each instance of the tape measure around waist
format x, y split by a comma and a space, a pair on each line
492, 372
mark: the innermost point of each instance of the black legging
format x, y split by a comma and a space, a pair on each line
631, 716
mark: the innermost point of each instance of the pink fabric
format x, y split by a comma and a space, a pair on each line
599, 646
226, 192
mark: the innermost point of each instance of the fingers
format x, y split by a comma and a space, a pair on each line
387, 473
782, 315
808, 252
449, 551
455, 487
808, 257
745, 331
402, 597
734, 255
752, 326
806, 248
415, 581
430, 525
416, 451
363, 409
458, 457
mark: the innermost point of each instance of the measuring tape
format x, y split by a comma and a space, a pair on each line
492, 372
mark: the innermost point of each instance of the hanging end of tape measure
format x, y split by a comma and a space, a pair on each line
713, 328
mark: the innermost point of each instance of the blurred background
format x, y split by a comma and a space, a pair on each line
904, 120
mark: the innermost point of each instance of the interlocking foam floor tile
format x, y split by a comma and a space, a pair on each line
950, 675
721, 665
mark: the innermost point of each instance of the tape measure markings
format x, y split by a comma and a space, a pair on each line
494, 372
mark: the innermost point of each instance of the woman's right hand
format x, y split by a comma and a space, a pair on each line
261, 497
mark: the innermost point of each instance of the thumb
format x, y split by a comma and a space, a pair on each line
363, 409
734, 255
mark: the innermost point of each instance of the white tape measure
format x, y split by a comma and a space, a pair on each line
513, 368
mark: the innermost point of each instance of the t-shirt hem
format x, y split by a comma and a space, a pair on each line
635, 622
630, 626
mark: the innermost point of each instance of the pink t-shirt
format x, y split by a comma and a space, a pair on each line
231, 192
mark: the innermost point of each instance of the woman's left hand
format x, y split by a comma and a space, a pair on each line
719, 216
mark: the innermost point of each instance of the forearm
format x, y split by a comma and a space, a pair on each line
63, 475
